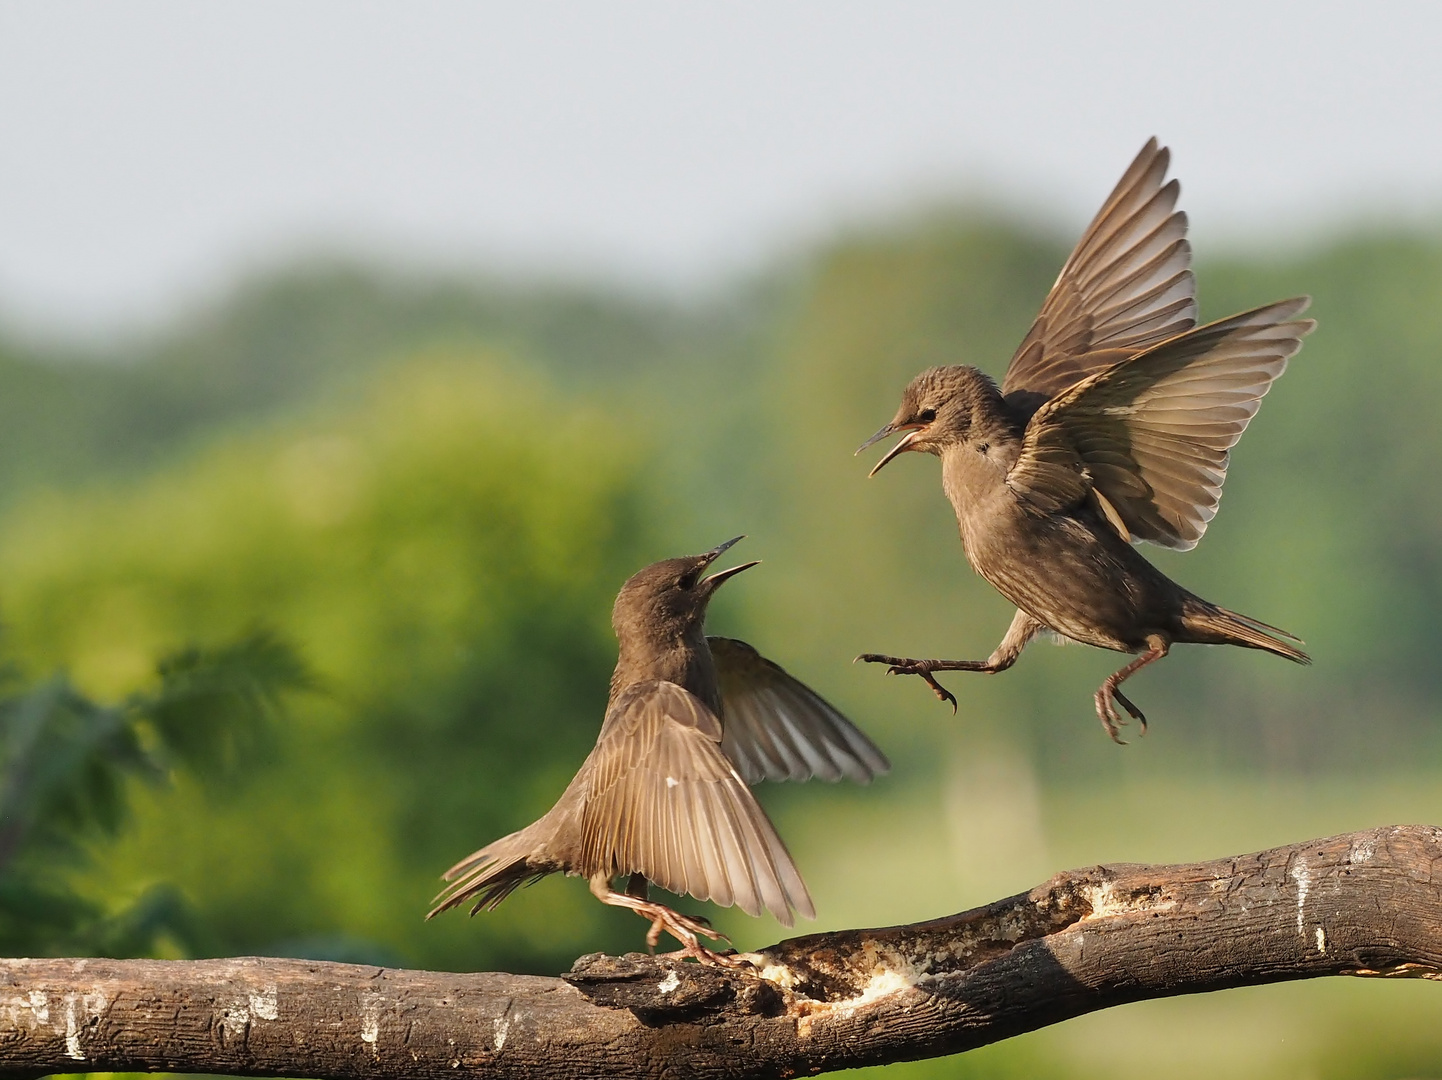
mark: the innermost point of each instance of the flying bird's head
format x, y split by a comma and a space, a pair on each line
667, 600
941, 407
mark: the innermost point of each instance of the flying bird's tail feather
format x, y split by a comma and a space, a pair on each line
490, 875
1213, 625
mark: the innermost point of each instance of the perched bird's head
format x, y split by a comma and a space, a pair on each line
940, 407
668, 599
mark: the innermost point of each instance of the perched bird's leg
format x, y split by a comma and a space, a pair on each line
1022, 629
640, 888
683, 928
1108, 695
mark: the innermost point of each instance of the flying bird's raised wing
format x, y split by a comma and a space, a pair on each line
1128, 285
1150, 436
662, 800
778, 728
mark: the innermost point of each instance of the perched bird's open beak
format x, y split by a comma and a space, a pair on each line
721, 575
913, 431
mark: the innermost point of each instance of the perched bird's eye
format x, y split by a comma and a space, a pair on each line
685, 581
926, 416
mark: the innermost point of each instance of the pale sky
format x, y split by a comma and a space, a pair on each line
150, 152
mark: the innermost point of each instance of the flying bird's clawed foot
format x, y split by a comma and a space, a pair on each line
900, 665
1107, 713
1109, 693
1135, 713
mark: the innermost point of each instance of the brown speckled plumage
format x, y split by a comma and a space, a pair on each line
663, 797
1113, 425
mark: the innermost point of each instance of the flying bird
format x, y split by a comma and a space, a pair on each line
663, 797
1112, 425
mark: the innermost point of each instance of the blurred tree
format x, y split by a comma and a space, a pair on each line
357, 459
447, 548
67, 765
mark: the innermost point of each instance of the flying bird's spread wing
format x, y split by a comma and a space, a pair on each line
778, 728
1149, 437
1128, 285
664, 801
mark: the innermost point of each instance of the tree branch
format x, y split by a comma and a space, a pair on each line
1361, 904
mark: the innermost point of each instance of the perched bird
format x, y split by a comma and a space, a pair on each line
663, 797
1113, 425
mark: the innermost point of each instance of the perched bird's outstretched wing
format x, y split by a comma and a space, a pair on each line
778, 728
1149, 437
1128, 285
663, 801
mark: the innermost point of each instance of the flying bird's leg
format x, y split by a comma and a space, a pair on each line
1109, 694
1022, 629
683, 928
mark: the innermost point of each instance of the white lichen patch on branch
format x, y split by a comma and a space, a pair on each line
501, 1029
80, 1011
77, 1012
264, 1003
888, 973
237, 1014
1105, 900
766, 968
29, 1011
669, 983
1362, 850
72, 1030
1321, 940
1302, 875
370, 1031
883, 983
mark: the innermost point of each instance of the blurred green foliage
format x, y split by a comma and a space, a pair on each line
433, 489
66, 766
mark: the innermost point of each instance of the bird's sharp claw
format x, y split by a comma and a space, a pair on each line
941, 692
731, 959
899, 665
1107, 714
1136, 714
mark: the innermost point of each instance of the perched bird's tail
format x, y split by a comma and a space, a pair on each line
1209, 624
490, 875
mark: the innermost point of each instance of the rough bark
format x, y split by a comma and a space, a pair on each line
1362, 904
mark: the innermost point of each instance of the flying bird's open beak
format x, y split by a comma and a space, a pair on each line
721, 575
913, 432
886, 429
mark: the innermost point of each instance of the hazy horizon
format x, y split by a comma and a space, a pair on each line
158, 152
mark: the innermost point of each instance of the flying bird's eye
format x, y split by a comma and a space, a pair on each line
926, 416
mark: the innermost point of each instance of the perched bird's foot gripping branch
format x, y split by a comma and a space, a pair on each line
664, 796
687, 929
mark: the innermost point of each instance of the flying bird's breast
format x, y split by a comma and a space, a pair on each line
974, 479
1071, 573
